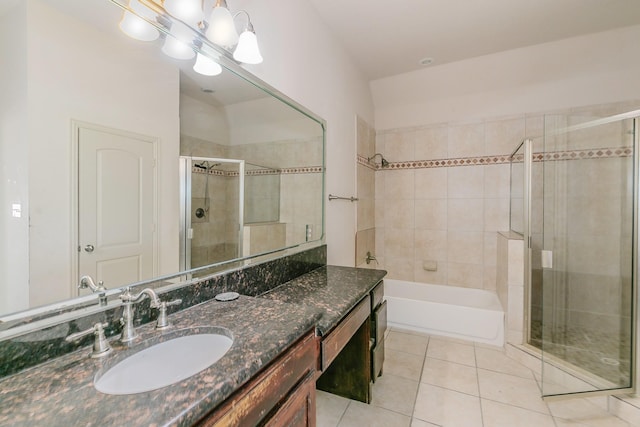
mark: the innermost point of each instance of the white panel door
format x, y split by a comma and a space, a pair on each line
115, 206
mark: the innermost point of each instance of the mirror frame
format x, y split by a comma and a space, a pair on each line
36, 318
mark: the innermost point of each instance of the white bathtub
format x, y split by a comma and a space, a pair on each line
469, 314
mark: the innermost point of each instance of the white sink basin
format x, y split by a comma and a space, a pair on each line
163, 364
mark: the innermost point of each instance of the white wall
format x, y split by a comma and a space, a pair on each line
268, 120
70, 66
203, 121
588, 70
305, 62
14, 168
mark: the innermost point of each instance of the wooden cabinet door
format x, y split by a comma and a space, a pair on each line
300, 408
252, 404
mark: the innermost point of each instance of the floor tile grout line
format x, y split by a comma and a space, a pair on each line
344, 412
451, 361
393, 410
517, 406
532, 378
415, 398
450, 389
475, 359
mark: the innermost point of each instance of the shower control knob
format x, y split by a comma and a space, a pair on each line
89, 248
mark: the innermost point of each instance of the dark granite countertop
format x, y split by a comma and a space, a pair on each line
332, 290
61, 392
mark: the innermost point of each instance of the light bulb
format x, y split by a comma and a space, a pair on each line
137, 28
247, 50
177, 49
188, 11
178, 42
206, 66
222, 30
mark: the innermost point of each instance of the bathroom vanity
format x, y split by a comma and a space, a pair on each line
351, 328
312, 329
61, 392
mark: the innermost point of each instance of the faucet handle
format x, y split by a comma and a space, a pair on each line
101, 346
163, 321
177, 301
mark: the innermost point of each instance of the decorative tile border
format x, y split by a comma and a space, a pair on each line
301, 170
366, 163
283, 171
596, 153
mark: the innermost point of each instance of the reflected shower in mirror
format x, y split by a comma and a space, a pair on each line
80, 96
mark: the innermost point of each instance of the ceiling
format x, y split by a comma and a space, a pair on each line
386, 38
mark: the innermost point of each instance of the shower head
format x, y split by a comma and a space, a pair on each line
205, 165
383, 162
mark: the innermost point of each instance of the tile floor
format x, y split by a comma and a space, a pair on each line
435, 381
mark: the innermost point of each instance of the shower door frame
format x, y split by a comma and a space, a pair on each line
635, 325
186, 168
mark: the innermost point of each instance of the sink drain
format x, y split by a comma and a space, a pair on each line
609, 361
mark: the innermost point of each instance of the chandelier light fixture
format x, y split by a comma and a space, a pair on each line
133, 24
188, 27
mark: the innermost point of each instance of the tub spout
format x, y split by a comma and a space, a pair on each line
370, 257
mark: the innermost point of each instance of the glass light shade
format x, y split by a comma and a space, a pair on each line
222, 30
137, 28
177, 49
189, 11
142, 10
206, 66
247, 50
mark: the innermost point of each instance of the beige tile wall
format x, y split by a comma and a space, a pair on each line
365, 209
447, 215
450, 215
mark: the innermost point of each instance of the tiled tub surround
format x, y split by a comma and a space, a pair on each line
365, 217
445, 195
37, 347
61, 393
443, 198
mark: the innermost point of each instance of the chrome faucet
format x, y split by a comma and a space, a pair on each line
87, 282
128, 299
101, 346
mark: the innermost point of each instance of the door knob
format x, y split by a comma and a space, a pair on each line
89, 248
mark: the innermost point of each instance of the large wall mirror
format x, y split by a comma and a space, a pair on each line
123, 164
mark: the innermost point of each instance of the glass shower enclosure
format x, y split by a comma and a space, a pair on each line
212, 196
574, 199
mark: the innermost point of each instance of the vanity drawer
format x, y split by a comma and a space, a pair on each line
300, 409
275, 387
333, 343
379, 323
377, 360
377, 294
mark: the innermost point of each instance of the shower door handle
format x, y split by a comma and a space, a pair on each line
546, 259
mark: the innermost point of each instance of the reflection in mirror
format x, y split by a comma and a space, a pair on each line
79, 96
211, 211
